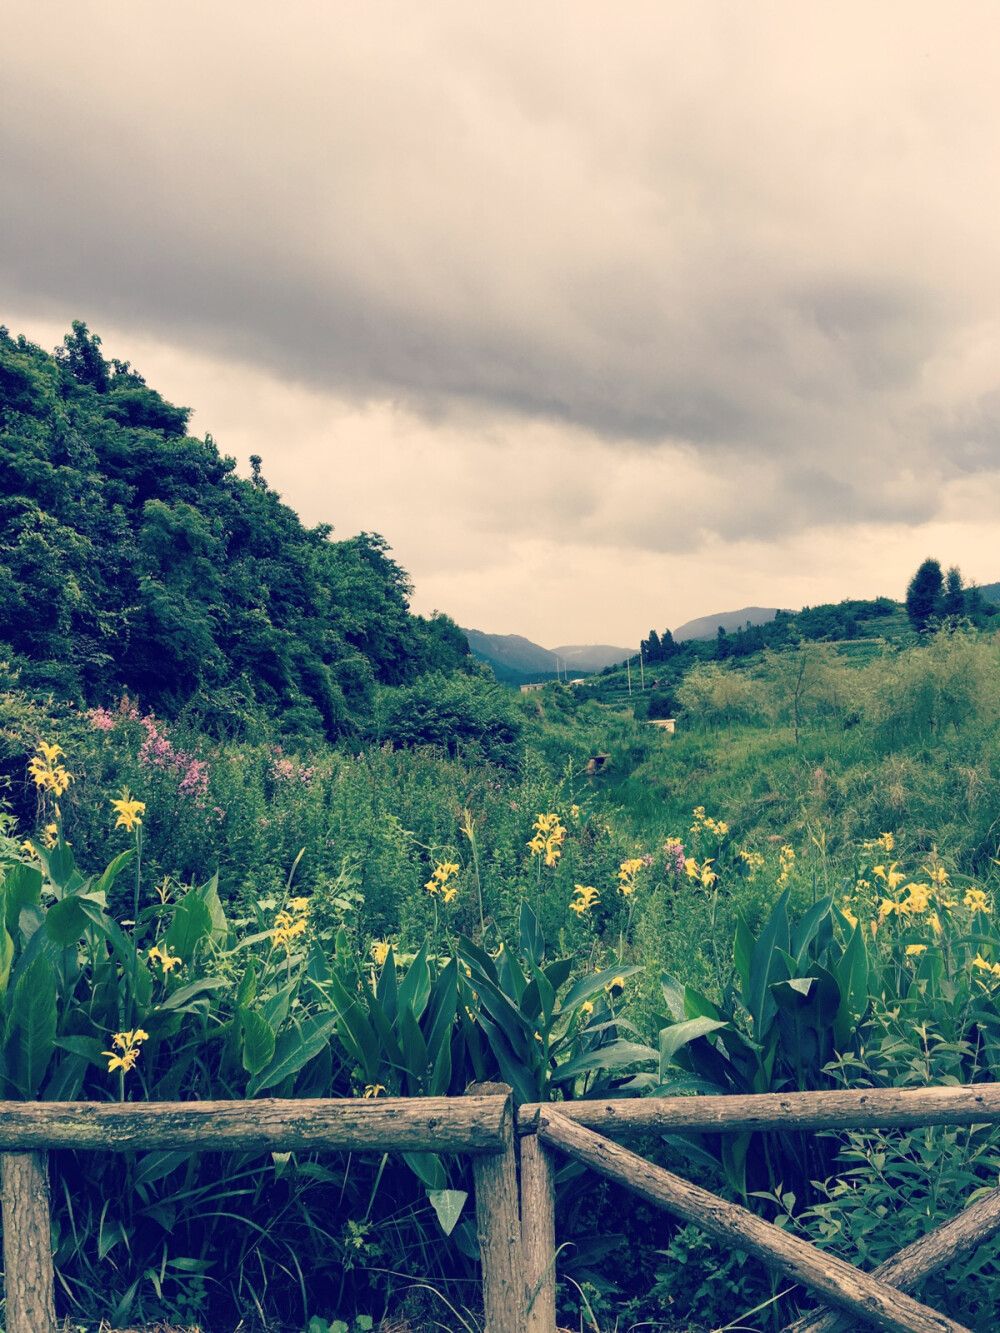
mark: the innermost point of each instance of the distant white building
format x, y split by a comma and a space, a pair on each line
665, 723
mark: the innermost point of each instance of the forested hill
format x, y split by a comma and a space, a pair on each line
132, 556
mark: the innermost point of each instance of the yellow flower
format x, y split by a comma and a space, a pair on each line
50, 836
891, 877
937, 875
127, 1043
165, 958
915, 950
627, 872
549, 836
129, 811
374, 1089
449, 893
380, 951
442, 873
786, 856
586, 1009
47, 774
584, 898
851, 918
886, 908
917, 899
934, 921
288, 927
29, 848
615, 987
975, 900
885, 842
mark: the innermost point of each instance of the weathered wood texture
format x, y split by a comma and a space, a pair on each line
735, 1227
498, 1223
870, 1108
538, 1233
390, 1124
925, 1256
27, 1243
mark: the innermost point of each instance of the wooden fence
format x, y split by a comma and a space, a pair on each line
516, 1226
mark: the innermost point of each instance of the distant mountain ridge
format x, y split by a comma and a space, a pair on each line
707, 627
516, 659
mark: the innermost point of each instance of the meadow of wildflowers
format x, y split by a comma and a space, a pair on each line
262, 902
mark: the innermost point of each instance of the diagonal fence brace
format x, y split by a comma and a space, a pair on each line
907, 1269
839, 1283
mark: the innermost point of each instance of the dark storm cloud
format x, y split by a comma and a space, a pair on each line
689, 247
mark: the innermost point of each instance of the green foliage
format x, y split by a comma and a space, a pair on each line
131, 554
925, 595
796, 1000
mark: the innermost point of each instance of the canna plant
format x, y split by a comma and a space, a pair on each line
549, 1043
798, 998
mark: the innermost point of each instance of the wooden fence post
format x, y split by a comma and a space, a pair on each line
498, 1224
538, 1233
29, 1280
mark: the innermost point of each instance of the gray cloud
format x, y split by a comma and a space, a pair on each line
751, 247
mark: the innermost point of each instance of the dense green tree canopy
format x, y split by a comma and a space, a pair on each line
133, 556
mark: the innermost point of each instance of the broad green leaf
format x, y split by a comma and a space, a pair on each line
104, 884
810, 928
184, 995
679, 1034
192, 923
414, 1051
66, 921
800, 985
209, 894
481, 960
697, 1005
612, 1056
448, 1205
512, 980
22, 887
31, 1027
294, 1049
415, 988
597, 981
6, 959
428, 1168
355, 1030
246, 991
89, 1048
258, 1041
440, 1017
440, 1079
60, 867
742, 951
531, 938
767, 966
386, 991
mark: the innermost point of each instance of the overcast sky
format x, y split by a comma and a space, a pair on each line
605, 315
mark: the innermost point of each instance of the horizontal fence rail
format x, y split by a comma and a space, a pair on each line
515, 1226
393, 1124
869, 1108
481, 1124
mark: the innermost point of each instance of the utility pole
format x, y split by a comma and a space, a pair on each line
642, 674
628, 668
